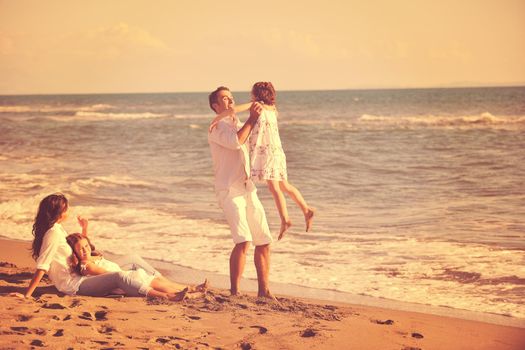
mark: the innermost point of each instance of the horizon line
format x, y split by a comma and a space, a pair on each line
517, 85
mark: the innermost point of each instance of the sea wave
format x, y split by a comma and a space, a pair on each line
116, 116
109, 181
484, 120
53, 109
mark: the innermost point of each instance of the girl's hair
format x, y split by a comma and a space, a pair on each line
264, 91
72, 240
50, 210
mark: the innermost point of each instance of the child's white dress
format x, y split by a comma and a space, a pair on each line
267, 158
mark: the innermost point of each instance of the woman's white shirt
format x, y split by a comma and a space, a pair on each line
53, 258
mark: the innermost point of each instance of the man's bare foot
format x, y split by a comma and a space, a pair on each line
268, 296
203, 287
285, 225
309, 218
179, 296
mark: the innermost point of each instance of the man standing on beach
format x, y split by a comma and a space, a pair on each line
236, 193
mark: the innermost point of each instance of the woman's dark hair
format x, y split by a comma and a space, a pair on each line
72, 240
50, 210
264, 91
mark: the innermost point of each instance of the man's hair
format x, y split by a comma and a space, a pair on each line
213, 96
263, 91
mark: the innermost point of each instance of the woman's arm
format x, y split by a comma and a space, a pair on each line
34, 282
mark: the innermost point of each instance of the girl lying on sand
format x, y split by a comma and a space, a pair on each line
86, 261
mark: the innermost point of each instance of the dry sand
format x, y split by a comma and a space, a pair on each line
219, 321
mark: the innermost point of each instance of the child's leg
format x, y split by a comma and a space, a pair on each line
203, 287
162, 284
280, 203
179, 296
173, 285
293, 192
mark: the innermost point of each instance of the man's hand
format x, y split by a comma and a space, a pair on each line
255, 110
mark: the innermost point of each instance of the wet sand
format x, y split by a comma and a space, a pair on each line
219, 321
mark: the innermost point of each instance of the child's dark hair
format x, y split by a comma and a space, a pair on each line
72, 240
50, 210
264, 92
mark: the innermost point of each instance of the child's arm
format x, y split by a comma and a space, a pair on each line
84, 224
229, 112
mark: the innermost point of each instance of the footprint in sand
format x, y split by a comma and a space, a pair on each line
23, 318
86, 316
67, 318
246, 346
101, 315
54, 306
106, 329
262, 330
76, 303
309, 332
385, 322
411, 348
100, 342
20, 329
417, 335
59, 333
162, 340
37, 342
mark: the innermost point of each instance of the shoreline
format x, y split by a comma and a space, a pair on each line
187, 275
220, 321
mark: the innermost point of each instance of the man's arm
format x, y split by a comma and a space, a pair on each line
244, 132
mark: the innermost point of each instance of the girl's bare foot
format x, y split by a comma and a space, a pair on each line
203, 287
308, 218
285, 225
179, 296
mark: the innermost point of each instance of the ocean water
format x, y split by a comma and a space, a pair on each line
419, 193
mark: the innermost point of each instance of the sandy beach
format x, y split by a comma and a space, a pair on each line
219, 321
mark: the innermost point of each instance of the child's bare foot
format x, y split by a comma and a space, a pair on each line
179, 296
203, 287
308, 218
285, 225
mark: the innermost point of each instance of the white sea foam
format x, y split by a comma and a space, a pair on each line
56, 109
91, 185
95, 116
192, 116
484, 120
368, 121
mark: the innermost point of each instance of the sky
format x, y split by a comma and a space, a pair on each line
104, 46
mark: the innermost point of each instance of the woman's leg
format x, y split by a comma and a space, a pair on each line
297, 197
280, 203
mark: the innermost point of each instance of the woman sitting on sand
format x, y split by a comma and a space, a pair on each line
86, 261
53, 255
